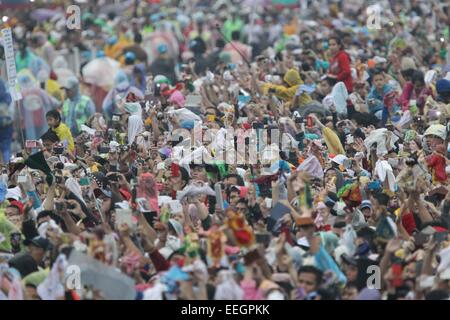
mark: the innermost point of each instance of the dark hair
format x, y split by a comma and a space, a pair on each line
365, 119
418, 76
337, 39
50, 135
220, 43
331, 82
239, 179
437, 294
377, 71
138, 38
311, 269
53, 114
235, 35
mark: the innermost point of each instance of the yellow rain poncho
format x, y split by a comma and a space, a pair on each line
293, 79
332, 140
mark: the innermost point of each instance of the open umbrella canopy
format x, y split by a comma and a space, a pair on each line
101, 72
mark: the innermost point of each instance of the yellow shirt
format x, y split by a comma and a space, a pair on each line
63, 133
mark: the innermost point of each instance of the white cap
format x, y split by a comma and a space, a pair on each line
339, 159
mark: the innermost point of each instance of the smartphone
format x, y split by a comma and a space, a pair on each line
84, 181
420, 239
58, 150
21, 178
124, 216
113, 177
98, 134
219, 197
350, 139
143, 205
263, 238
116, 118
31, 144
59, 206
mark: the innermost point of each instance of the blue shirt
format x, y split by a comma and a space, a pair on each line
378, 98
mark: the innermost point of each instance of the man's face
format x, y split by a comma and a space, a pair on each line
234, 198
70, 93
199, 173
325, 87
378, 80
242, 208
366, 212
52, 122
351, 272
232, 181
307, 281
160, 142
13, 215
179, 217
361, 90
31, 293
37, 253
48, 144
349, 293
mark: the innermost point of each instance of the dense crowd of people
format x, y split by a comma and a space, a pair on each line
239, 150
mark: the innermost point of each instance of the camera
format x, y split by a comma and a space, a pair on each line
59, 179
113, 178
60, 206
70, 206
299, 120
59, 165
58, 150
157, 90
103, 149
124, 148
116, 118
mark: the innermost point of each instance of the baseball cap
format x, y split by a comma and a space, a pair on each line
366, 204
69, 83
38, 242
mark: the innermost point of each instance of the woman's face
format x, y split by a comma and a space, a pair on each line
179, 217
329, 175
349, 293
413, 146
418, 85
333, 45
351, 272
161, 141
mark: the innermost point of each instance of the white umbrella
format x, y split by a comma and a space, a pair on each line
101, 72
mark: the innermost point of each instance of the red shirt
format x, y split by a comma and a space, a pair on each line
340, 67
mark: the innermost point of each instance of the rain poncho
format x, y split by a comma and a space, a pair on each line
384, 139
122, 88
135, 123
293, 80
332, 140
228, 289
34, 105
